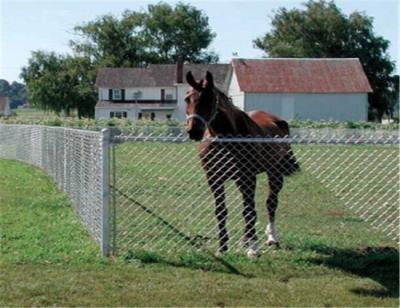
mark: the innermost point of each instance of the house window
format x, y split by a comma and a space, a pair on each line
140, 115
162, 95
117, 95
118, 114
153, 116
168, 117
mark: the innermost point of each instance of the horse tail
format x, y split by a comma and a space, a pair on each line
289, 164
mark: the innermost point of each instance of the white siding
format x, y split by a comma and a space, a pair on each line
180, 112
235, 93
303, 106
132, 112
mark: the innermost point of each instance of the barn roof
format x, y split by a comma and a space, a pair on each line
300, 75
158, 75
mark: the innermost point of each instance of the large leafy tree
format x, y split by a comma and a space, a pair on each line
60, 83
159, 35
180, 31
322, 30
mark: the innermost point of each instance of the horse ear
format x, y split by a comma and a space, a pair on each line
209, 80
190, 80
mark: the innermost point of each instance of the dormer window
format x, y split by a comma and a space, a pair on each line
117, 95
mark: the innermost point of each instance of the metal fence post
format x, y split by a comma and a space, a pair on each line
105, 143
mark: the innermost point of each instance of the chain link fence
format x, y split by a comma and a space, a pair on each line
160, 198
77, 160
163, 203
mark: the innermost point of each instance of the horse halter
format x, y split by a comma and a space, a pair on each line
205, 122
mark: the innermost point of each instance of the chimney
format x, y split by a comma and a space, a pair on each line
179, 69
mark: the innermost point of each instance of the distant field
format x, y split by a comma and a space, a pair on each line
48, 259
33, 113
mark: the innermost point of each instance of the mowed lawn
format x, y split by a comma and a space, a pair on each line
47, 259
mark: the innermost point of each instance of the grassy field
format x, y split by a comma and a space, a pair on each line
48, 259
163, 201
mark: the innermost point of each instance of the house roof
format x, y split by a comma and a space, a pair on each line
3, 102
301, 75
158, 75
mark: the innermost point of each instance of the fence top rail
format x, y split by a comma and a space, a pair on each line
346, 140
53, 128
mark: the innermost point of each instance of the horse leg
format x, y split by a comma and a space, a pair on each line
275, 180
247, 186
221, 212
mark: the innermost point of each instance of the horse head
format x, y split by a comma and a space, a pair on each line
201, 105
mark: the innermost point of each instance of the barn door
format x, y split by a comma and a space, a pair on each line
288, 108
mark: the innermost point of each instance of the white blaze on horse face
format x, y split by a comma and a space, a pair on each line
272, 235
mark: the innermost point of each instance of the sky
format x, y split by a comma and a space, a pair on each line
30, 25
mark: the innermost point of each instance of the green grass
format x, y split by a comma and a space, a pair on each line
163, 200
48, 259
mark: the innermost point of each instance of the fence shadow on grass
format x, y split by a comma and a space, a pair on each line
205, 261
381, 264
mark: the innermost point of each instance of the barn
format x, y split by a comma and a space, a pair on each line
302, 88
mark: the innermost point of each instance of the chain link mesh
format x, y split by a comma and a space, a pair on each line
161, 200
163, 203
73, 158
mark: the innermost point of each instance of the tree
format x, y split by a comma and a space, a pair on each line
15, 91
158, 35
48, 82
108, 41
322, 30
4, 87
183, 31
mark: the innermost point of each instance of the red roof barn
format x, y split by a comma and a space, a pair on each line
293, 88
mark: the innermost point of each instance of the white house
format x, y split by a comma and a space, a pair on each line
4, 106
154, 92
304, 89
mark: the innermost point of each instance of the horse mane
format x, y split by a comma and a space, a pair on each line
240, 121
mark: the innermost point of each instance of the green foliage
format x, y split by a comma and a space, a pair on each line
60, 83
322, 30
15, 91
158, 35
172, 32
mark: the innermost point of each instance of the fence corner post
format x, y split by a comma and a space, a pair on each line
105, 236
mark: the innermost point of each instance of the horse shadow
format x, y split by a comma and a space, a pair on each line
380, 264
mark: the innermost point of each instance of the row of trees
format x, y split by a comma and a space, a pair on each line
163, 33
15, 91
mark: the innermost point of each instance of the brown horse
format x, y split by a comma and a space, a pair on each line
210, 113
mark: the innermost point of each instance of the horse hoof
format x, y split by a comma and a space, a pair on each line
252, 254
272, 243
